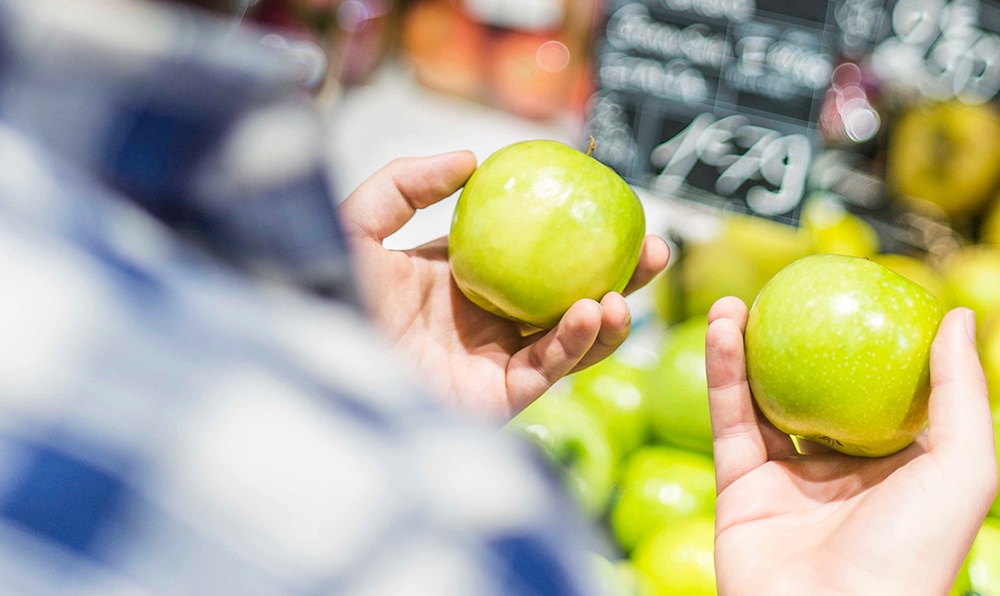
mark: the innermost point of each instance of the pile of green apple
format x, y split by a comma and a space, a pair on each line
638, 462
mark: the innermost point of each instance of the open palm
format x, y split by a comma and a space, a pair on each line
485, 363
827, 523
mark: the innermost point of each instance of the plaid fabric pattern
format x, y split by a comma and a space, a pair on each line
170, 424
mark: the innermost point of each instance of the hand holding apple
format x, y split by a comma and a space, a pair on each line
484, 363
837, 352
540, 225
900, 524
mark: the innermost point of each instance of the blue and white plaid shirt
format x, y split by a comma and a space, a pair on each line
174, 417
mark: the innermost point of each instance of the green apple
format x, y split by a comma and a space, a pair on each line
540, 225
984, 559
678, 560
576, 441
614, 388
972, 276
947, 154
837, 352
660, 485
678, 390
834, 230
917, 271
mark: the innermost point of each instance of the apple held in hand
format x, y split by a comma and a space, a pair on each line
837, 352
540, 225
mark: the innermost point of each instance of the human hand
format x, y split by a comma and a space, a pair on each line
828, 523
485, 363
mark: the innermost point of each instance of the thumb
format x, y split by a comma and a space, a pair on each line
387, 200
959, 411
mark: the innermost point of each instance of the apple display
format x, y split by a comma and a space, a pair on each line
947, 154
837, 352
540, 225
677, 388
658, 486
576, 441
678, 560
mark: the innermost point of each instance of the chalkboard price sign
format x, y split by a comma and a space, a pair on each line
715, 100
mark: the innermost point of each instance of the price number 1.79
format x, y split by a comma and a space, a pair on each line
740, 153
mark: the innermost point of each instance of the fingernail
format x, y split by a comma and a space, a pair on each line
970, 325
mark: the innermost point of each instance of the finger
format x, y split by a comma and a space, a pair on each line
387, 200
959, 412
533, 369
652, 260
731, 308
779, 444
738, 441
616, 323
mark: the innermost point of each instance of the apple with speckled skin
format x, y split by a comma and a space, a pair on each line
540, 225
837, 352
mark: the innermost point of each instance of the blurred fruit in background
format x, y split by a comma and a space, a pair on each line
446, 49
984, 559
947, 154
769, 245
972, 279
678, 391
355, 35
989, 355
710, 270
615, 578
658, 486
614, 389
990, 232
529, 57
576, 441
835, 230
678, 560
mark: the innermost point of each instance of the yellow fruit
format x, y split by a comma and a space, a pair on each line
947, 154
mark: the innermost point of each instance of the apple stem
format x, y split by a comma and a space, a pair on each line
590, 150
